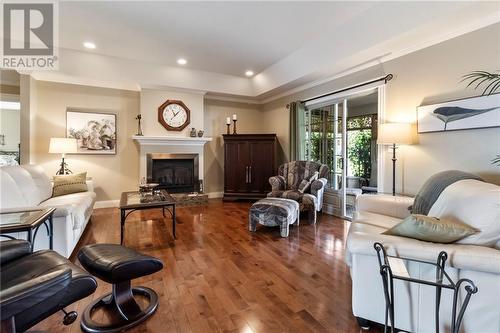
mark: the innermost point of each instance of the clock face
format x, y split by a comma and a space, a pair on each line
173, 115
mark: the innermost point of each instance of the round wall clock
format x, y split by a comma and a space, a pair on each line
173, 115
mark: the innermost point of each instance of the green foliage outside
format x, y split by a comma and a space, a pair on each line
359, 151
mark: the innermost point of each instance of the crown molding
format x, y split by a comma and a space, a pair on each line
174, 89
234, 99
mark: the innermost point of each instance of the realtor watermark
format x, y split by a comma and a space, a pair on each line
30, 35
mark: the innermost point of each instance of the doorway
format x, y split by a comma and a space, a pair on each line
341, 133
10, 118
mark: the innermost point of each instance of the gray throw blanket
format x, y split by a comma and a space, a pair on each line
433, 187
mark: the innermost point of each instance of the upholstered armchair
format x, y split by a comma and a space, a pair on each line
302, 181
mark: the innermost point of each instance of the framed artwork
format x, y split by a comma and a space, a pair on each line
95, 131
467, 113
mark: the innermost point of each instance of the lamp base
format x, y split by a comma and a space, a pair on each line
64, 170
394, 147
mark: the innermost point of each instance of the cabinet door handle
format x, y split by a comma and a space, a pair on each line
246, 174
250, 174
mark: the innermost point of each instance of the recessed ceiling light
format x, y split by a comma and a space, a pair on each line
249, 73
89, 45
182, 61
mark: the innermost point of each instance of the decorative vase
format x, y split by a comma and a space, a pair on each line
193, 133
200, 133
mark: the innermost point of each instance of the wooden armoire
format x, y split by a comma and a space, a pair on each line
249, 161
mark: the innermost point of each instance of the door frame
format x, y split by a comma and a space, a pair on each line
381, 152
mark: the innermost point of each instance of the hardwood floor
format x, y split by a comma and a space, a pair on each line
219, 277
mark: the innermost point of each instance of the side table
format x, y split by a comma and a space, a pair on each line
394, 268
29, 222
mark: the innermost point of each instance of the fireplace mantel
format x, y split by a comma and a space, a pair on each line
171, 140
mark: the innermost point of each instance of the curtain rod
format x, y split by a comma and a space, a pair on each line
386, 79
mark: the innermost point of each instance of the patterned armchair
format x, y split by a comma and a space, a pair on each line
290, 183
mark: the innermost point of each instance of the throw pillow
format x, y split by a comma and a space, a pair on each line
305, 184
67, 184
431, 229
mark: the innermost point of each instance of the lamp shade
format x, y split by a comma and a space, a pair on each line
62, 145
394, 133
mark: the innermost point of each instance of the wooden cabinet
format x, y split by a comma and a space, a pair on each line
249, 161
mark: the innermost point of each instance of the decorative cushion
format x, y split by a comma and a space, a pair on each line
67, 184
475, 203
306, 201
431, 229
305, 184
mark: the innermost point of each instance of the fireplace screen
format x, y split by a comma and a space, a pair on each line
177, 173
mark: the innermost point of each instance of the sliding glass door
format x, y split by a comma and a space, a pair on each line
341, 133
325, 138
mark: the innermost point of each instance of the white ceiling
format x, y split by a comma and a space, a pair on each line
221, 37
287, 44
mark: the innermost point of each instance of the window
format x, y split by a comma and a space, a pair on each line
360, 147
323, 143
323, 140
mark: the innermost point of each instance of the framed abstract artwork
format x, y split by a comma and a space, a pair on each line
95, 131
467, 113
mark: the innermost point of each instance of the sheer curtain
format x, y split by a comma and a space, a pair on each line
296, 131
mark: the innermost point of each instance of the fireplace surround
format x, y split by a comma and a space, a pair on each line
177, 173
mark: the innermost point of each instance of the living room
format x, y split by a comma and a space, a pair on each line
250, 166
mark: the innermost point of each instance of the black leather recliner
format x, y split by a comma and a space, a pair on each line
34, 285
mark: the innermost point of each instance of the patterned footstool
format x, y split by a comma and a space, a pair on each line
273, 212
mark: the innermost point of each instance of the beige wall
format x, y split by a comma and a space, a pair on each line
152, 99
120, 172
426, 76
111, 174
250, 120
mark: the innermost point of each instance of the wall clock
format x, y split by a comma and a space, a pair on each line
174, 115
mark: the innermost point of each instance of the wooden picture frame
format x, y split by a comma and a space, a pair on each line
162, 121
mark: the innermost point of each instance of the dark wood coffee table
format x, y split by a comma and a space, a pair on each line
132, 201
29, 222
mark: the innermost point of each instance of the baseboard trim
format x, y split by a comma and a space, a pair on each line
215, 195
329, 209
107, 204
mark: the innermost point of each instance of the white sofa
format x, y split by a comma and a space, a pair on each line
476, 257
27, 187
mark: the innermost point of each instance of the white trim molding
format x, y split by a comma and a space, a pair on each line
107, 204
170, 140
215, 195
381, 152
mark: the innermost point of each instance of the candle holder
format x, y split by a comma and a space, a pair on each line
228, 129
234, 126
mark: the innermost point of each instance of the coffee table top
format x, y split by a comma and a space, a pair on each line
133, 200
23, 220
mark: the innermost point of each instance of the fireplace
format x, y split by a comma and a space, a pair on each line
177, 173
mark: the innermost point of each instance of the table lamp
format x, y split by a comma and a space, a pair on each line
394, 134
63, 146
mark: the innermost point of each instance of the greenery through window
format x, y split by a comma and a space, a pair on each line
360, 142
323, 143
